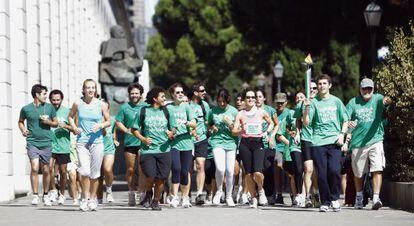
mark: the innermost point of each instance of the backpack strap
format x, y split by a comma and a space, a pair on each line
167, 116
142, 118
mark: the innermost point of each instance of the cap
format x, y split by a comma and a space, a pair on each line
366, 82
280, 97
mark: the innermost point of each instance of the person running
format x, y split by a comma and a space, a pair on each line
201, 109
306, 146
329, 120
367, 137
152, 127
282, 113
249, 124
224, 145
124, 122
92, 117
40, 117
210, 170
110, 142
60, 144
182, 145
269, 144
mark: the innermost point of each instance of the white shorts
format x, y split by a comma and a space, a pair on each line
71, 166
368, 157
90, 158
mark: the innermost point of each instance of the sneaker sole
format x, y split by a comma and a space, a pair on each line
376, 206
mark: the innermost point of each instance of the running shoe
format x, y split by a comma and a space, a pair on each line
377, 204
316, 200
131, 199
230, 202
175, 201
209, 199
308, 202
155, 205
146, 203
336, 206
186, 202
200, 199
359, 202
75, 202
109, 197
93, 205
324, 208
61, 200
53, 195
84, 205
46, 200
262, 198
35, 200
244, 199
217, 197
279, 199
253, 203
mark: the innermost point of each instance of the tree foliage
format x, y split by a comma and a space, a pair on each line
395, 78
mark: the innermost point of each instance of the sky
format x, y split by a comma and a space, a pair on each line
149, 10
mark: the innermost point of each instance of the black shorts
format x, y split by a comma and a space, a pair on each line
201, 149
61, 158
210, 170
269, 158
252, 154
306, 148
132, 149
289, 167
156, 165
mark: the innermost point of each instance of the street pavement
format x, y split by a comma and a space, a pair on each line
20, 212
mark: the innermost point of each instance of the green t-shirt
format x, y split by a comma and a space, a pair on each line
180, 115
200, 119
306, 131
370, 125
282, 117
270, 111
126, 116
290, 123
61, 136
223, 137
108, 140
40, 134
155, 127
326, 117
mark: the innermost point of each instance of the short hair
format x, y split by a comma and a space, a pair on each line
153, 93
248, 90
260, 90
224, 94
37, 88
55, 92
171, 90
135, 86
324, 76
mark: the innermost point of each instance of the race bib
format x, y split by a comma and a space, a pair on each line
253, 128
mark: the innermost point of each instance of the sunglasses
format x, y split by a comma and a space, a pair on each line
201, 90
178, 92
314, 88
250, 97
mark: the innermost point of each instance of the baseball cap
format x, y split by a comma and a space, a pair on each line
280, 97
366, 82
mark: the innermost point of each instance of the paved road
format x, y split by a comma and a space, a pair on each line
20, 212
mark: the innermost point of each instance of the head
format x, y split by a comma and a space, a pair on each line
324, 84
135, 91
156, 96
117, 32
56, 98
239, 101
313, 90
299, 97
281, 101
249, 97
223, 98
176, 91
366, 88
199, 90
39, 93
89, 88
260, 97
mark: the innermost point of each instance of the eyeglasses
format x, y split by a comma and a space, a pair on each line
314, 88
178, 92
280, 103
201, 90
250, 97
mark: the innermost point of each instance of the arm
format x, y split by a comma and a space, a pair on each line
71, 118
115, 137
137, 134
269, 121
122, 127
192, 124
236, 130
305, 117
283, 139
23, 128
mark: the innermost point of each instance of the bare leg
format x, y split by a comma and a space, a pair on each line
63, 178
94, 184
46, 178
258, 179
130, 166
308, 168
200, 178
34, 175
85, 183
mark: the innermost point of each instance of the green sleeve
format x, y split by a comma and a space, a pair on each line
136, 123
190, 112
210, 117
342, 112
22, 114
208, 110
120, 116
350, 109
52, 112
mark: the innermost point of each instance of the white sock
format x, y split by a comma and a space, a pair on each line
375, 197
108, 189
359, 193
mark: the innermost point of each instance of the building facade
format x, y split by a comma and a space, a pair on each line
52, 42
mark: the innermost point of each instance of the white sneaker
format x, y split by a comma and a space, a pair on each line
324, 208
359, 202
253, 203
46, 200
131, 199
93, 204
175, 201
299, 201
35, 200
186, 202
76, 202
209, 199
336, 206
230, 202
61, 199
217, 197
109, 197
84, 205
377, 204
53, 195
244, 199
262, 198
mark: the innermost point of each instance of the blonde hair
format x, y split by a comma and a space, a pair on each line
84, 86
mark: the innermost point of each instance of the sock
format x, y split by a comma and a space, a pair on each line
108, 189
375, 197
45, 193
359, 193
35, 194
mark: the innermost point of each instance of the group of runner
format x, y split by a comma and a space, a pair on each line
237, 153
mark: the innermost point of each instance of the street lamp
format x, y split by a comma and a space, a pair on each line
278, 71
261, 80
245, 85
372, 14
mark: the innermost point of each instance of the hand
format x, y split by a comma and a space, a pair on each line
61, 125
45, 121
25, 133
147, 141
340, 140
96, 127
297, 138
194, 134
77, 130
271, 143
306, 102
344, 148
116, 143
171, 134
352, 124
227, 120
214, 129
129, 131
387, 101
348, 138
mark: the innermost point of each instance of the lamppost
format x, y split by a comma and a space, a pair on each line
278, 71
245, 85
372, 14
261, 80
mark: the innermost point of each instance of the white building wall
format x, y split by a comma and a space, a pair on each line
52, 42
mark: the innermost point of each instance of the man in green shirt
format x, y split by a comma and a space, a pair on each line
151, 127
39, 117
329, 120
124, 122
365, 112
60, 146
